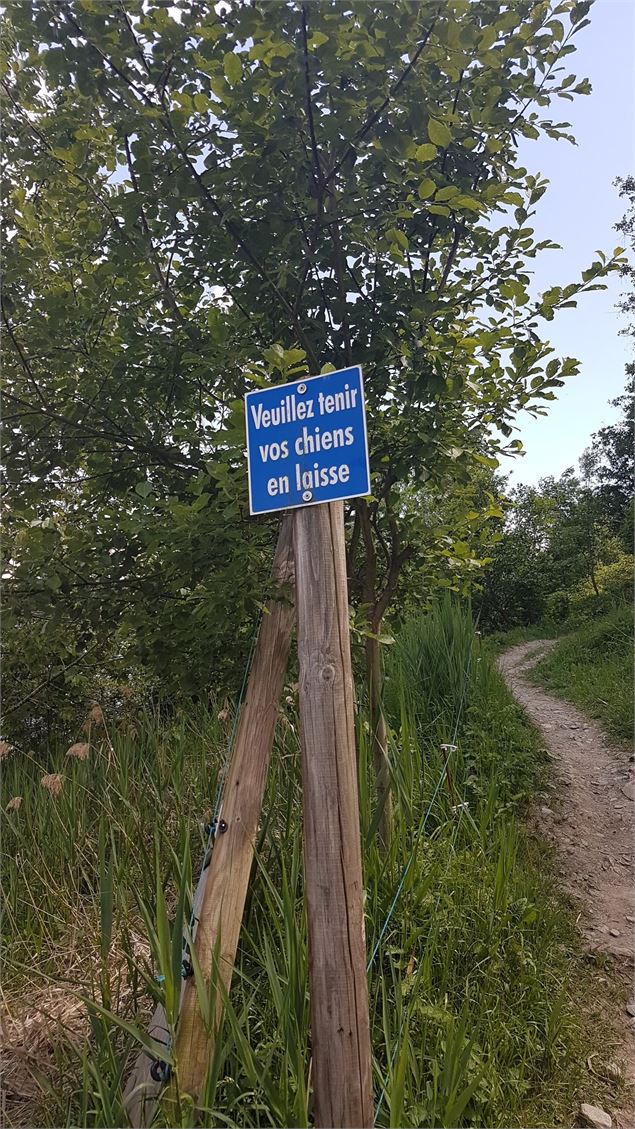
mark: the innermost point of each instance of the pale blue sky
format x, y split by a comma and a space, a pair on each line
579, 211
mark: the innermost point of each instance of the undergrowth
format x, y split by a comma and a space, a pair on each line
472, 957
593, 667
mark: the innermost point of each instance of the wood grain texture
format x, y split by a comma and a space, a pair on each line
342, 1081
224, 889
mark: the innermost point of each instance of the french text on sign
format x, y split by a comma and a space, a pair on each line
307, 442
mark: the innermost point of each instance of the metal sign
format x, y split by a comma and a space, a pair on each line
307, 442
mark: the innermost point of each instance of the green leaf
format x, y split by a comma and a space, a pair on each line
143, 488
467, 202
488, 38
426, 152
439, 133
233, 67
426, 189
396, 236
447, 193
201, 103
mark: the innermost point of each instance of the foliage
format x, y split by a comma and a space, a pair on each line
469, 980
199, 199
626, 227
609, 465
593, 667
557, 544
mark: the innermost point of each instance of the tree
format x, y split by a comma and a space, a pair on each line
608, 465
555, 537
206, 198
626, 227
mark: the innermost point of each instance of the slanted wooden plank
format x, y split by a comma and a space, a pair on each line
142, 1092
222, 890
223, 900
340, 1026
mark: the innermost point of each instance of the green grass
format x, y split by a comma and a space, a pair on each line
475, 976
500, 641
593, 667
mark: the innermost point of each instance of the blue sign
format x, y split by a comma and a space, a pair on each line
307, 443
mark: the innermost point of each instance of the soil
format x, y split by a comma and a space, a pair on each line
588, 818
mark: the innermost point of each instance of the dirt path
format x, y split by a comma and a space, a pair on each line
591, 821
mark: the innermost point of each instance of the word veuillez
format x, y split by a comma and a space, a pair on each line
306, 442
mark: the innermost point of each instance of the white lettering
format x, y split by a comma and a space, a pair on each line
278, 486
321, 476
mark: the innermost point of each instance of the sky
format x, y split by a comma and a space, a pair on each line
579, 211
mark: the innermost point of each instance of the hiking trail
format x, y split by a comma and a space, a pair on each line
590, 824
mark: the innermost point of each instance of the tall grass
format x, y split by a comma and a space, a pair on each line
470, 952
593, 667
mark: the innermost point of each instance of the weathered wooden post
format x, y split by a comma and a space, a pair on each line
307, 445
342, 1081
223, 901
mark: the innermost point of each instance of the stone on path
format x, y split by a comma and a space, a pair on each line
629, 790
595, 1117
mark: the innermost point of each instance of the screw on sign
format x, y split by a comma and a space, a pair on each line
307, 450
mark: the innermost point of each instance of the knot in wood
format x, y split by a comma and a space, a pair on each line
327, 673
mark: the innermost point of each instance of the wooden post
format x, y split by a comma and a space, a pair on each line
223, 893
342, 1083
226, 887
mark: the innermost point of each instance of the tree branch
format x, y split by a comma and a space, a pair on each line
375, 116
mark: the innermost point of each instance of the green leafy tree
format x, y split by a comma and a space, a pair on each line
205, 198
609, 463
556, 536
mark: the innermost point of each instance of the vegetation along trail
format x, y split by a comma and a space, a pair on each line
591, 822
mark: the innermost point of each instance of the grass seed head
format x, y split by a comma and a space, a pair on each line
53, 782
79, 750
14, 803
5, 749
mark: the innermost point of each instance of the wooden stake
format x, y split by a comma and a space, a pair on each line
223, 894
342, 1082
